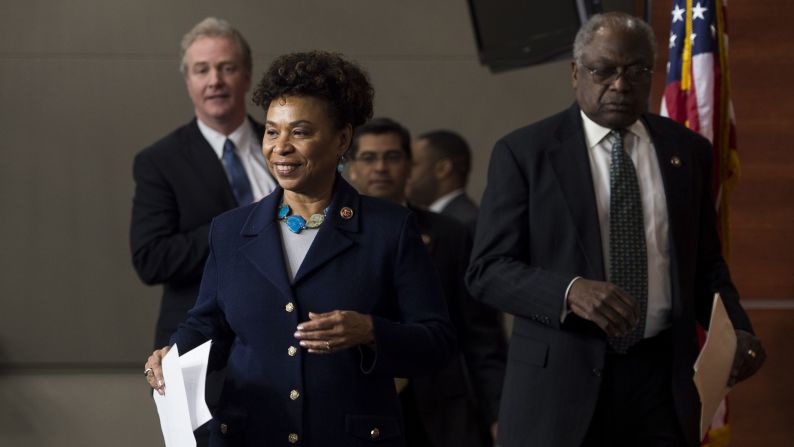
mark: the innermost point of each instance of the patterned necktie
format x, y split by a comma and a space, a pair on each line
236, 173
628, 261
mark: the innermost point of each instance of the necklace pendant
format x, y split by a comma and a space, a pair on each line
315, 220
283, 211
295, 223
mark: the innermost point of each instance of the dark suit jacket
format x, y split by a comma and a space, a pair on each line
180, 185
458, 404
462, 209
373, 263
539, 229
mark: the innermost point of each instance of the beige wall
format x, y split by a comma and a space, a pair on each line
85, 84
105, 408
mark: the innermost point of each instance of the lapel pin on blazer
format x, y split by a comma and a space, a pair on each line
426, 239
675, 161
346, 213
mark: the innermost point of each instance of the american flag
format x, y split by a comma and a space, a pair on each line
697, 94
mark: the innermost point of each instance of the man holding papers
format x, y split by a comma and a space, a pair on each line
597, 232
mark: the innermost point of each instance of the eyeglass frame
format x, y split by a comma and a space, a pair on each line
391, 157
620, 71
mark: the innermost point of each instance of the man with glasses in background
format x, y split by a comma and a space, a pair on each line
597, 232
457, 406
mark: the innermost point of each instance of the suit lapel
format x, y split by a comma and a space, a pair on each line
332, 238
203, 159
571, 166
264, 250
676, 170
259, 131
425, 228
454, 205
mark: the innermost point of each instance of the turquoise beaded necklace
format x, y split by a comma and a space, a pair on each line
296, 223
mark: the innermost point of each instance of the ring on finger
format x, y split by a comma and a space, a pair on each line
327, 345
147, 371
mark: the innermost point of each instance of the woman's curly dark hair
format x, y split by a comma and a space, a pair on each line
343, 85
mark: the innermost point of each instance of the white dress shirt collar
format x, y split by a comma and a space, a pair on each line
439, 204
241, 137
248, 146
594, 132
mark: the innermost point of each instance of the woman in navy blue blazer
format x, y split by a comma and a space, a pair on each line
315, 298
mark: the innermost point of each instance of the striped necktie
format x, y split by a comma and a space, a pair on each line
628, 261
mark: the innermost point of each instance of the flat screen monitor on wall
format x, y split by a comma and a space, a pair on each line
518, 33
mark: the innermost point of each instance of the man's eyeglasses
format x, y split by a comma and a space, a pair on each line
388, 157
607, 75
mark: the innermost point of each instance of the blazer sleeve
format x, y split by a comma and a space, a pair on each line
501, 273
423, 339
161, 253
206, 320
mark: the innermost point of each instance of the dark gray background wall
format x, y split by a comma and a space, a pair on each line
85, 84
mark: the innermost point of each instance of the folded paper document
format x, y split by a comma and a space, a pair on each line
183, 409
713, 365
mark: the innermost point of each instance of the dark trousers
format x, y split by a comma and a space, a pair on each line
635, 404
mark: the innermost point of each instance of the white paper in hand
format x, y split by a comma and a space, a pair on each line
194, 372
713, 365
182, 409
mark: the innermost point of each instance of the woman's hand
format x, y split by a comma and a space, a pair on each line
334, 331
154, 370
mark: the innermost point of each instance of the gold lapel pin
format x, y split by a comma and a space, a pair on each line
346, 213
675, 161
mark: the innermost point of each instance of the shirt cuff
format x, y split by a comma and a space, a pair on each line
565, 310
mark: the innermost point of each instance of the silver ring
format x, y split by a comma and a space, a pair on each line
147, 371
327, 345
